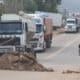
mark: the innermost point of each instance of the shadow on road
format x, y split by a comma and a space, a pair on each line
53, 49
50, 50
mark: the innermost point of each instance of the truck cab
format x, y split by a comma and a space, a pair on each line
71, 25
43, 32
38, 38
15, 33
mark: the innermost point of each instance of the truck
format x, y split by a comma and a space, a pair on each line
72, 25
43, 35
15, 33
57, 18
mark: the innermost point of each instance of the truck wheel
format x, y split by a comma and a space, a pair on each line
77, 30
44, 47
34, 53
48, 44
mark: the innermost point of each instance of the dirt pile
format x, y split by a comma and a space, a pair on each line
20, 61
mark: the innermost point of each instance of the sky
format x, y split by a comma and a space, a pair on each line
71, 5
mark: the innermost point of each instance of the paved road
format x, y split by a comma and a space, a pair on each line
16, 75
23, 75
64, 51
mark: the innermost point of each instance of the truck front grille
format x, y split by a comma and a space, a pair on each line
10, 41
34, 45
70, 27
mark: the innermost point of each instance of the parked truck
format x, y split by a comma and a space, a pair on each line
56, 18
43, 36
72, 25
15, 33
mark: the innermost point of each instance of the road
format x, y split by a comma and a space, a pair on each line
22, 75
64, 51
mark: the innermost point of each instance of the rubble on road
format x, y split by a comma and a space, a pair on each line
21, 62
70, 71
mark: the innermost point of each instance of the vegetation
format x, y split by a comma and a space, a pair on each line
2, 8
47, 5
31, 5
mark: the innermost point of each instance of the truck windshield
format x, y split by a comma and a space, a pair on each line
71, 22
10, 27
39, 28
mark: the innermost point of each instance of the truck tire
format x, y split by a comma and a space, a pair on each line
77, 30
34, 53
48, 44
44, 47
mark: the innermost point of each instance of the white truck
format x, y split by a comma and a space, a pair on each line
56, 18
43, 35
72, 25
15, 33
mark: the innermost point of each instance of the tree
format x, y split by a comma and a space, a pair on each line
29, 5
58, 2
14, 6
48, 5
2, 8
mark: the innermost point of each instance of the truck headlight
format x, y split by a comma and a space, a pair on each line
20, 49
